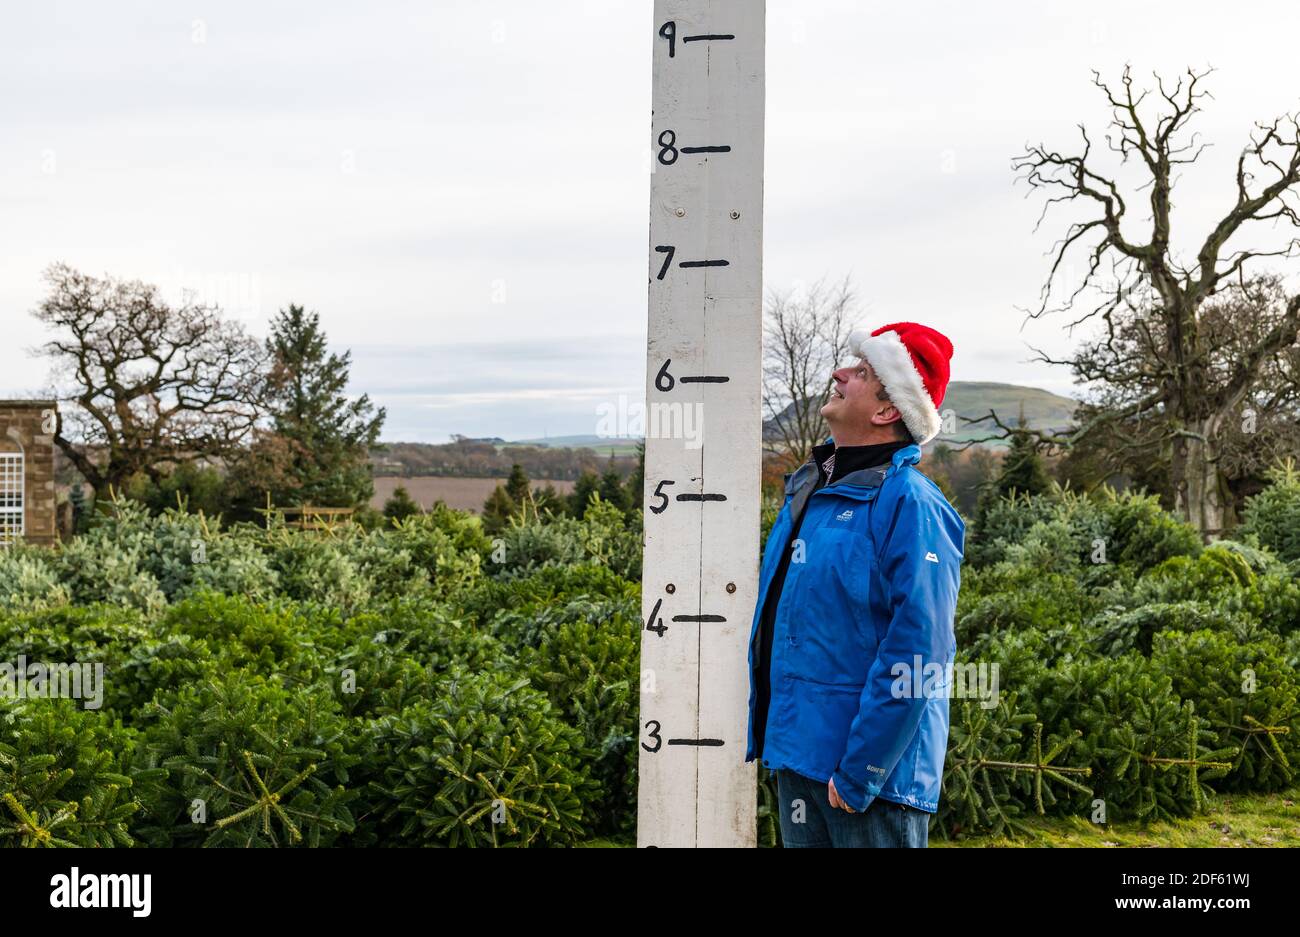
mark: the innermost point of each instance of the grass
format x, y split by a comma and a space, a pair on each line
1236, 820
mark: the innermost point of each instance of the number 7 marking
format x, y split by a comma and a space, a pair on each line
668, 261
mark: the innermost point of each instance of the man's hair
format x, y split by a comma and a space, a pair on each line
901, 432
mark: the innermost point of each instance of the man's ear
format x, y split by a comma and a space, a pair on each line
886, 415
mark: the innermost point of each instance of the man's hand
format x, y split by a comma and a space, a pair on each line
835, 797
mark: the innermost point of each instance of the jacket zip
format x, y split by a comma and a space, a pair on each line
863, 493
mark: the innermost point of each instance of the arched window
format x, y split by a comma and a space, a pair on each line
11, 497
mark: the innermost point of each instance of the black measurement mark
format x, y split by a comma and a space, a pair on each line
650, 625
663, 498
654, 727
700, 618
659, 509
665, 249
670, 251
665, 381
669, 31
668, 148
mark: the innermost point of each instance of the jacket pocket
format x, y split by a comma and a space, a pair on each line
852, 565
821, 716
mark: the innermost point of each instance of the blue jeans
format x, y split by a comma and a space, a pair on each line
809, 820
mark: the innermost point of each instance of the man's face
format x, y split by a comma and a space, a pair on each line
855, 398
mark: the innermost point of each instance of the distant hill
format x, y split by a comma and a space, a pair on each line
565, 457
488, 458
1043, 409
620, 445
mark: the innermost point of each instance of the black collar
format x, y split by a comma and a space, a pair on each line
851, 458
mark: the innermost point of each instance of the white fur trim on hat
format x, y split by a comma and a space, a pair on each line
892, 362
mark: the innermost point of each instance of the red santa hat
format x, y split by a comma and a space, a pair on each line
911, 360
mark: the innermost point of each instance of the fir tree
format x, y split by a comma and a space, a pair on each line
400, 505
497, 510
328, 435
580, 497
1022, 467
996, 769
77, 497
517, 484
611, 486
636, 483
1023, 474
549, 501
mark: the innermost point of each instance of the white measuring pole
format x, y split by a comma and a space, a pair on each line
703, 423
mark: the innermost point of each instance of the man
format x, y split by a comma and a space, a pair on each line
852, 642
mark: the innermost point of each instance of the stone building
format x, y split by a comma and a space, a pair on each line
27, 497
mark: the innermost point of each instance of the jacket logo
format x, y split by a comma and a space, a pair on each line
932, 558
844, 515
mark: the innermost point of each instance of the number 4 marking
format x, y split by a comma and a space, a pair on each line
650, 625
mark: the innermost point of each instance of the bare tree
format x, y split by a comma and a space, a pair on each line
1192, 403
1127, 364
149, 383
806, 337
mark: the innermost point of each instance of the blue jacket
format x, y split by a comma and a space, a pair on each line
863, 645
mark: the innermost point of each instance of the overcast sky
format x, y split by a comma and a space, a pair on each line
461, 189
